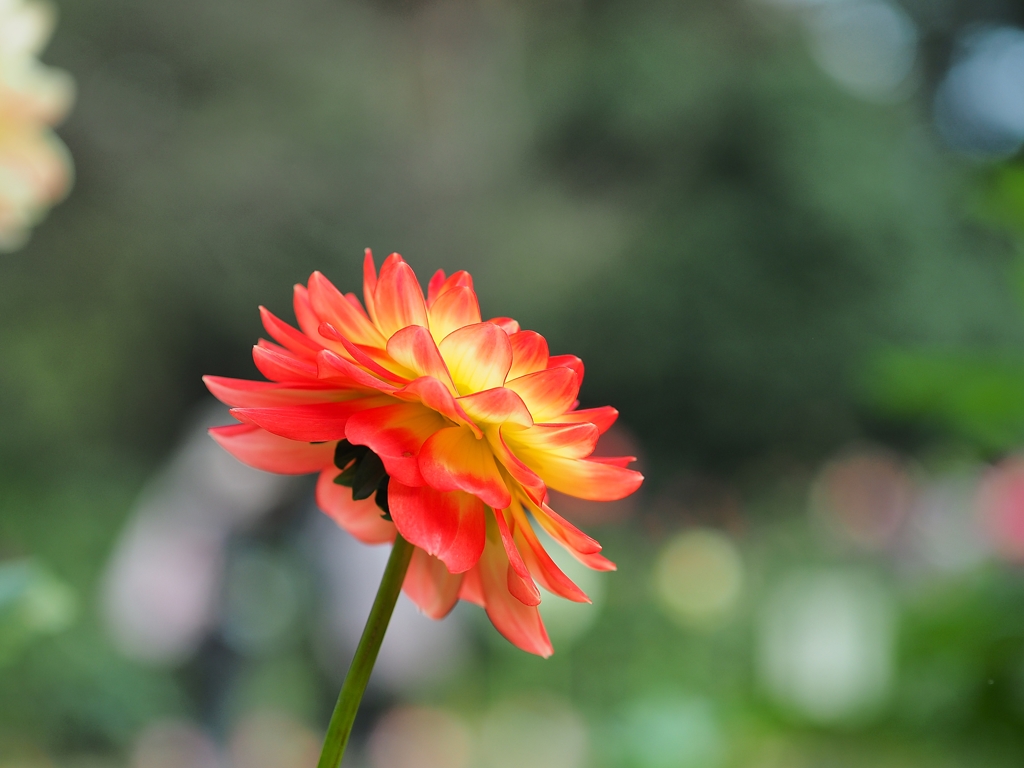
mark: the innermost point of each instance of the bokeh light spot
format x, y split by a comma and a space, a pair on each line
420, 737
540, 732
698, 577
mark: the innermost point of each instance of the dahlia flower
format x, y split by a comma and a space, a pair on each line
425, 421
35, 167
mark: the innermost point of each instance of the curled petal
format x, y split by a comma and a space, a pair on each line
561, 530
568, 361
478, 357
242, 393
361, 518
452, 310
582, 478
529, 353
398, 298
306, 317
573, 441
518, 578
414, 348
429, 584
272, 453
453, 459
522, 474
363, 356
602, 418
507, 324
520, 624
290, 338
333, 367
433, 394
396, 433
548, 393
543, 568
307, 423
448, 525
278, 364
332, 307
497, 406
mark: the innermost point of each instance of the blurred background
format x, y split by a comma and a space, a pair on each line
787, 238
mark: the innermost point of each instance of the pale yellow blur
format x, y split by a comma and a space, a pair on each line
35, 167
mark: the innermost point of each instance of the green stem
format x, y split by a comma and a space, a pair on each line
358, 675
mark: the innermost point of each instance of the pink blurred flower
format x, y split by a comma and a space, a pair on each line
1001, 508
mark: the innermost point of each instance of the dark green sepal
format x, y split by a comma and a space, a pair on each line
369, 473
345, 453
348, 475
382, 497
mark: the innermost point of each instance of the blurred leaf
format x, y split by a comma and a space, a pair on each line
976, 396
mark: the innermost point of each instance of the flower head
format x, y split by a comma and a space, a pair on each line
35, 167
455, 427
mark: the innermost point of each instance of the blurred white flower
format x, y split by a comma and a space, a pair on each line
35, 166
827, 644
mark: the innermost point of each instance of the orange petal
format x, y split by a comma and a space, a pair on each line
496, 406
278, 364
308, 320
573, 441
396, 433
357, 305
471, 589
398, 298
290, 338
548, 393
242, 393
618, 461
561, 530
361, 518
602, 418
478, 357
582, 478
453, 459
332, 307
414, 348
452, 310
568, 361
529, 353
369, 284
271, 453
449, 526
364, 355
433, 394
333, 367
595, 560
434, 286
519, 623
308, 423
429, 584
460, 279
543, 568
518, 578
507, 324
521, 473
